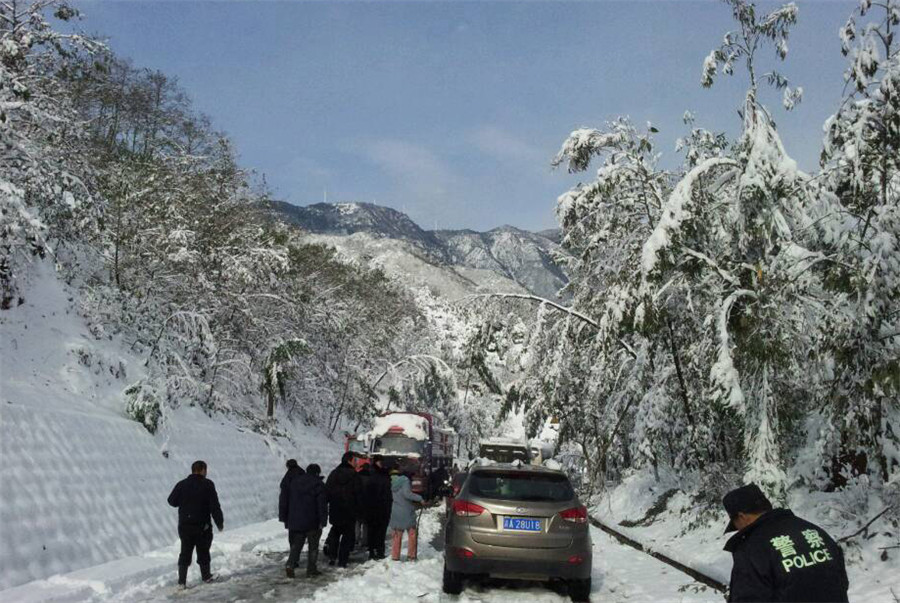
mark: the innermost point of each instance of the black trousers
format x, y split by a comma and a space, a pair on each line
297, 539
340, 541
377, 534
195, 537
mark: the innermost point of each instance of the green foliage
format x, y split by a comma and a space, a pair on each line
142, 405
276, 369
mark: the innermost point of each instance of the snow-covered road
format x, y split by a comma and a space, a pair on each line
250, 564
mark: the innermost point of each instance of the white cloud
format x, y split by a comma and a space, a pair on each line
300, 169
505, 146
413, 167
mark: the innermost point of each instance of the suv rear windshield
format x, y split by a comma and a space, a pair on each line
512, 485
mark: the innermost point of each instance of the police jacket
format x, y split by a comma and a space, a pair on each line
197, 501
781, 557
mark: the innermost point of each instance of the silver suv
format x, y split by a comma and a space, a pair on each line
522, 522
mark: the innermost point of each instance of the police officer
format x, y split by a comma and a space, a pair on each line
778, 556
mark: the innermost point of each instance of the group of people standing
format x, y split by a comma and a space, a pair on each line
777, 556
374, 496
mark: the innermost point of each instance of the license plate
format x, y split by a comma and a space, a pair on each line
522, 524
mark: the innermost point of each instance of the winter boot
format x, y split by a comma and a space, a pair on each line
312, 572
289, 572
206, 574
182, 575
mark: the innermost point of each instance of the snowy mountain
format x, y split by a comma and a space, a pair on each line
352, 218
450, 262
522, 256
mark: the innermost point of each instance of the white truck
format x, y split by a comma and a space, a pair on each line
504, 450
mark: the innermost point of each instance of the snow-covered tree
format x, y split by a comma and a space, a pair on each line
860, 429
739, 229
45, 180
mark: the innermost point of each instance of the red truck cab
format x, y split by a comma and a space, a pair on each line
412, 444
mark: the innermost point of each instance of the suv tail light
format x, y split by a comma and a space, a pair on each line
575, 514
464, 508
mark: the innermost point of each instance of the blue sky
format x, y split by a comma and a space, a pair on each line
452, 111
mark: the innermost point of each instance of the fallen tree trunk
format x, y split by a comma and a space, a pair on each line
696, 575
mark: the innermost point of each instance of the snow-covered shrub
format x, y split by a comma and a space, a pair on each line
142, 405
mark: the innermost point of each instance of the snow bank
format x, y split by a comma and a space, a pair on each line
80, 484
81, 489
678, 533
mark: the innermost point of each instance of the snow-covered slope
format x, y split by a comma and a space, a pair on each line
504, 259
81, 484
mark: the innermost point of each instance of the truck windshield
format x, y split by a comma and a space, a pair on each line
357, 446
503, 454
398, 444
521, 486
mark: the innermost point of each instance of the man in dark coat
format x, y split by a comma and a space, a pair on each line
198, 507
344, 491
362, 522
293, 470
302, 505
438, 483
377, 510
778, 556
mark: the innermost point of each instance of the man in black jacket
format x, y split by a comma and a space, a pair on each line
302, 505
292, 471
778, 556
198, 507
344, 491
361, 537
379, 499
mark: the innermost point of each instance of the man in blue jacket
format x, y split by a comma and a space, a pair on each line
302, 508
198, 507
778, 556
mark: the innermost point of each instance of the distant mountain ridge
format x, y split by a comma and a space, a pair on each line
523, 257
